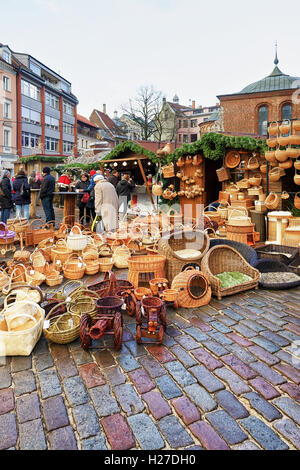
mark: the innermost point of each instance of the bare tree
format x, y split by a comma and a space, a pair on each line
144, 109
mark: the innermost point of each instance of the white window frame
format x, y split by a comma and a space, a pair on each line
6, 82
68, 108
30, 90
30, 117
51, 123
67, 147
51, 145
7, 144
7, 106
31, 137
67, 128
8, 56
51, 100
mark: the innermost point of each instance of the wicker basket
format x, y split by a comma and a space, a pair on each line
63, 328
60, 252
105, 264
120, 257
34, 278
169, 295
76, 240
255, 191
168, 170
272, 201
232, 159
222, 258
38, 231
253, 164
169, 245
141, 292
232, 189
213, 215
84, 302
284, 254
74, 267
276, 173
38, 261
54, 279
239, 217
223, 174
193, 288
158, 284
255, 180
22, 256
146, 264
243, 184
18, 225
92, 266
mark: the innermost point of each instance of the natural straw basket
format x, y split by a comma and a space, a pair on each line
60, 251
193, 288
54, 279
45, 247
255, 180
276, 173
140, 292
63, 328
105, 264
253, 163
74, 267
272, 201
38, 261
34, 278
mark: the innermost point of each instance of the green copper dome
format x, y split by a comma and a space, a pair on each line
273, 82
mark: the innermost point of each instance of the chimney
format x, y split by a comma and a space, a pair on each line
104, 108
164, 100
193, 104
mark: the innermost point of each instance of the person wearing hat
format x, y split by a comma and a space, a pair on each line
83, 197
64, 182
6, 202
46, 194
106, 203
22, 194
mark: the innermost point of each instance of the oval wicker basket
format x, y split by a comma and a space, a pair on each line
169, 295
270, 156
253, 163
54, 279
22, 256
76, 240
120, 257
273, 128
281, 155
74, 267
63, 328
276, 173
193, 288
263, 168
105, 264
272, 142
293, 152
286, 165
140, 292
272, 201
38, 261
60, 251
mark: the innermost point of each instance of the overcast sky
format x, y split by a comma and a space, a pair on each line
195, 48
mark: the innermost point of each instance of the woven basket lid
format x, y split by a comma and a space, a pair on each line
232, 159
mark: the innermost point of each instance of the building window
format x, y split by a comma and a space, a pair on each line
179, 123
68, 128
51, 145
185, 138
51, 100
263, 120
6, 56
7, 139
30, 140
7, 109
65, 87
286, 112
6, 83
28, 89
185, 123
68, 108
51, 123
35, 68
194, 137
68, 147
179, 137
194, 123
29, 115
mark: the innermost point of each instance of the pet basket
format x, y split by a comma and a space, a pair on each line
223, 174
193, 288
284, 254
232, 159
76, 240
74, 267
182, 249
222, 258
272, 201
63, 328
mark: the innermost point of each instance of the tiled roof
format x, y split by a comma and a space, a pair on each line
179, 108
86, 121
109, 124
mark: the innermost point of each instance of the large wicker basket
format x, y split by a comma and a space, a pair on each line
178, 241
193, 288
63, 328
74, 267
222, 258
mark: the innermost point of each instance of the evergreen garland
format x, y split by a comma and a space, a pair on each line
42, 158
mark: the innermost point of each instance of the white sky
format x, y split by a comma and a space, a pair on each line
196, 48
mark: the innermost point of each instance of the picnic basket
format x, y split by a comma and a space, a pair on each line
63, 327
120, 257
253, 163
76, 240
74, 267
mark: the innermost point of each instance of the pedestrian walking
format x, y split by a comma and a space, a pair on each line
6, 202
46, 195
124, 190
106, 203
22, 194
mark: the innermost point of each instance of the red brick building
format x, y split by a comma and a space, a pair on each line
269, 99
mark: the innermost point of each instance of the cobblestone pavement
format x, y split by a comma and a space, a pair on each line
226, 377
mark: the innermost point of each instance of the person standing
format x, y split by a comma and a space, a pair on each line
114, 178
22, 194
124, 190
6, 202
106, 203
46, 195
64, 182
91, 189
83, 197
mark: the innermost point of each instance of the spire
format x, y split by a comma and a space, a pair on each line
276, 61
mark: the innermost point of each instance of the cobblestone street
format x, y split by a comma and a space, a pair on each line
226, 377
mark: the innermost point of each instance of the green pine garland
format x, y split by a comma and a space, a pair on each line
42, 158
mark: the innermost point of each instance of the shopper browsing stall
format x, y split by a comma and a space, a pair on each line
22, 194
46, 195
106, 203
6, 203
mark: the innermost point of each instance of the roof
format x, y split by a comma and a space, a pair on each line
109, 124
86, 121
153, 146
277, 80
179, 108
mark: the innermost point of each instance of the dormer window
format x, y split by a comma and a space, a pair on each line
6, 55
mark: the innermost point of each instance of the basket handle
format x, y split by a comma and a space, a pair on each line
107, 245
61, 241
26, 315
189, 268
75, 227
11, 294
240, 212
38, 222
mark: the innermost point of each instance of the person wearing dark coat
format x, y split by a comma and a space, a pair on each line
46, 194
114, 178
22, 194
6, 202
124, 189
82, 187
